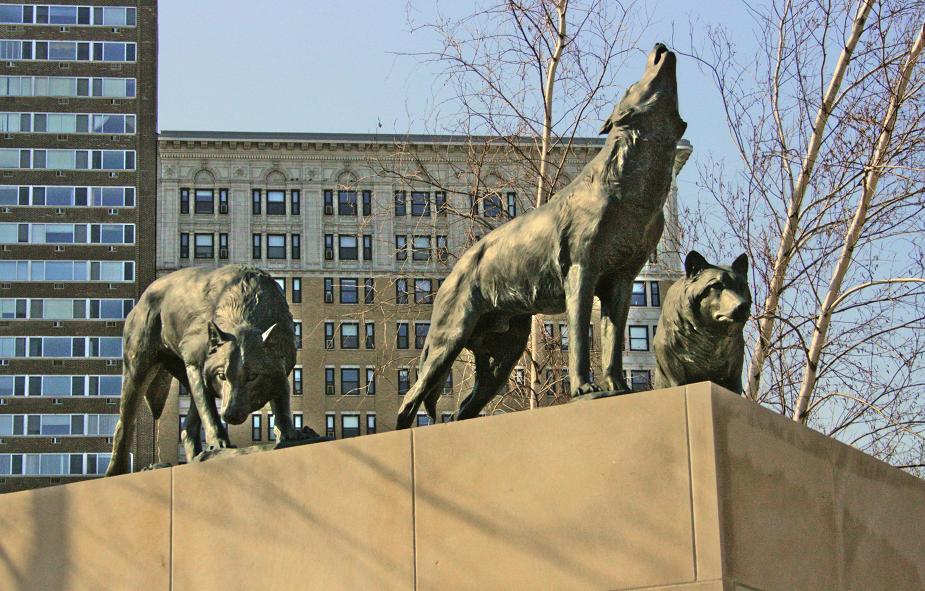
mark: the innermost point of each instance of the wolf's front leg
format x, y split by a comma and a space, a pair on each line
216, 436
615, 307
579, 298
283, 425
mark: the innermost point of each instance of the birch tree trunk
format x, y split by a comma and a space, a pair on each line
786, 250
873, 171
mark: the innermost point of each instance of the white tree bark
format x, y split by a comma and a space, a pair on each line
873, 171
787, 250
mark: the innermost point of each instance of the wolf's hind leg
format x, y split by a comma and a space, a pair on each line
494, 360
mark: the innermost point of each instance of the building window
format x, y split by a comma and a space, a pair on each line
328, 290
423, 291
205, 201
401, 291
276, 246
404, 383
400, 200
297, 330
223, 245
367, 247
349, 294
655, 294
491, 206
446, 417
281, 282
401, 335
367, 203
271, 427
205, 246
350, 335
512, 205
422, 420
298, 421
563, 336
420, 334
420, 204
442, 251
295, 202
638, 297
297, 381
276, 203
640, 379
329, 247
296, 242
369, 291
420, 250
440, 202
346, 203
370, 424
256, 201
256, 427
329, 426
371, 381
370, 335
401, 247
329, 381
296, 290
473, 205
448, 384
184, 245
349, 381
349, 426
184, 200
639, 338
223, 201
347, 247
256, 246
328, 197
328, 335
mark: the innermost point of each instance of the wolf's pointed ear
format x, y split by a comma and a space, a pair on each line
694, 263
272, 335
740, 265
217, 337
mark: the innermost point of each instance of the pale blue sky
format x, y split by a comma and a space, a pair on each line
323, 66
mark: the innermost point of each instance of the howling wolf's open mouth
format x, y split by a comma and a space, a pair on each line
660, 51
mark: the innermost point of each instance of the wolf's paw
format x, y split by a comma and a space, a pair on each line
586, 388
616, 385
298, 434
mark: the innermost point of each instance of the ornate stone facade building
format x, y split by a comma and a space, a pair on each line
360, 231
78, 91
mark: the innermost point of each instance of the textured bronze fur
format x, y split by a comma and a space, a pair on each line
225, 334
699, 336
591, 238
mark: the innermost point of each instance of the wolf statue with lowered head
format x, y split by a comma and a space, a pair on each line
591, 238
225, 334
699, 336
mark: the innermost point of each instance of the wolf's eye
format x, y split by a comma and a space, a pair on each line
220, 375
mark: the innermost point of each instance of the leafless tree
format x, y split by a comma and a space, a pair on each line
827, 120
519, 80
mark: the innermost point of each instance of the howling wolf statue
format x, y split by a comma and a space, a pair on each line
591, 238
225, 334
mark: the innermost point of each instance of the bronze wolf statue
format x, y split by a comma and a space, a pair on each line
699, 336
591, 238
225, 334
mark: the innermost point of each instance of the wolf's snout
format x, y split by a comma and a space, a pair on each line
740, 314
658, 52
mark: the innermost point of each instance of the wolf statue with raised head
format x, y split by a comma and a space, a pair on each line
591, 238
226, 334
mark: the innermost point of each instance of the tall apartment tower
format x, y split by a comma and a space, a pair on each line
360, 231
78, 92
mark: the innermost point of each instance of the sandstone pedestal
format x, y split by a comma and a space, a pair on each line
688, 488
